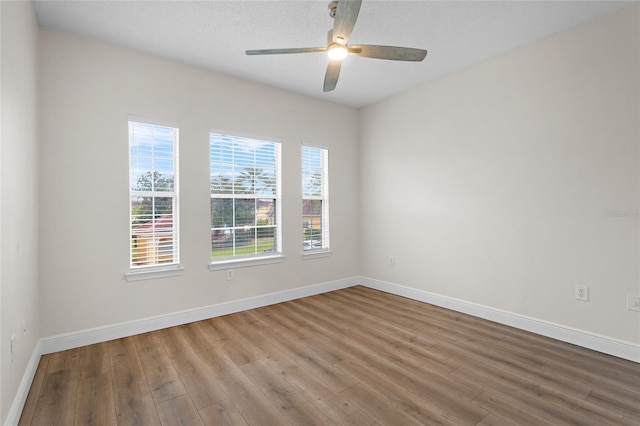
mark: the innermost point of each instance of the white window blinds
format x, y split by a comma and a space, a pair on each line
315, 198
153, 195
245, 197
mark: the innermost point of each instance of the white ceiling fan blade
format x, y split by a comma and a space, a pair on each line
331, 77
345, 19
393, 53
285, 51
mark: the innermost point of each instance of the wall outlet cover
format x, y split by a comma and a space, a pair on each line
633, 303
582, 293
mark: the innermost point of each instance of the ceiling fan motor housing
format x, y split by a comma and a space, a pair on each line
333, 6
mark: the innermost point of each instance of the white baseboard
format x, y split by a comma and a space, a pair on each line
80, 338
604, 344
116, 331
23, 390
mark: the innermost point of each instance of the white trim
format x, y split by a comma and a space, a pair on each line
152, 274
324, 189
604, 344
314, 145
174, 195
315, 254
245, 262
152, 121
218, 140
23, 390
243, 134
102, 334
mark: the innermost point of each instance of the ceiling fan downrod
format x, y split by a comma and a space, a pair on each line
333, 6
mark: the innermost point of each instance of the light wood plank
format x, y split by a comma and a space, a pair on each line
179, 411
307, 359
63, 360
306, 384
341, 411
377, 406
493, 420
412, 353
57, 401
409, 392
282, 395
162, 377
95, 404
224, 413
507, 409
125, 363
94, 361
541, 400
194, 336
252, 404
237, 327
135, 406
197, 379
626, 404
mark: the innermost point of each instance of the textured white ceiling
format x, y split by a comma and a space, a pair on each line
215, 34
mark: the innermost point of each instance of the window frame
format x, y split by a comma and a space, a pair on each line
323, 197
155, 270
254, 259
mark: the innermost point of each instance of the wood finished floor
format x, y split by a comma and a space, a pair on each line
353, 356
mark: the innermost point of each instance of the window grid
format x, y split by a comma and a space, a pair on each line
315, 198
153, 195
245, 197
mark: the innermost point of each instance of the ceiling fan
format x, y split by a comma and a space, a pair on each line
345, 13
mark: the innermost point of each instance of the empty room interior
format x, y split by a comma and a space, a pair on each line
206, 220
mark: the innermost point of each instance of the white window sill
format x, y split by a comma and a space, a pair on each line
245, 262
315, 254
154, 273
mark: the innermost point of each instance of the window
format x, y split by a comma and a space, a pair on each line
153, 196
245, 198
315, 199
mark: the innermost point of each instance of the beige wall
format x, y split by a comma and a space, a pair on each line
492, 185
18, 195
88, 89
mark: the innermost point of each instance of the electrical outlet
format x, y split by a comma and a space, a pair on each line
229, 274
13, 340
582, 293
633, 303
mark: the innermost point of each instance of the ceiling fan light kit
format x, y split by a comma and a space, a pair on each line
337, 52
345, 13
